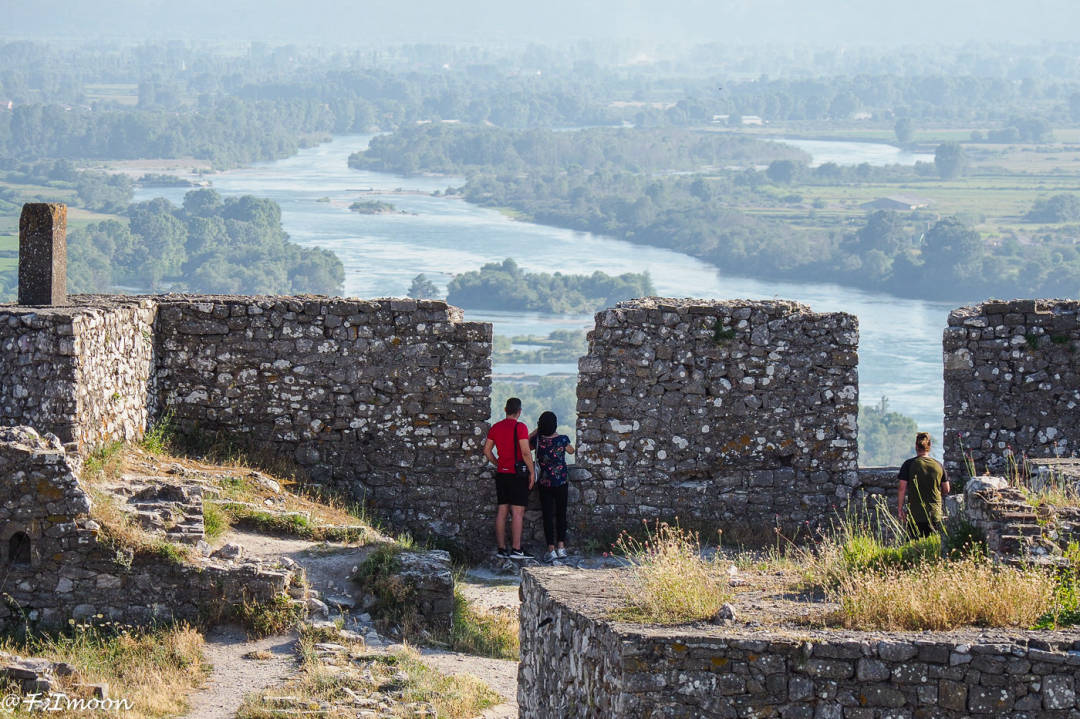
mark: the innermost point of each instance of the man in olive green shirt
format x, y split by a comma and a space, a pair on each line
926, 480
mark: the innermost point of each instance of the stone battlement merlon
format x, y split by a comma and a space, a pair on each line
733, 413
1012, 382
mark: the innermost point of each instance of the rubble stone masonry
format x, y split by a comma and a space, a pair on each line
1012, 381
734, 414
577, 663
387, 399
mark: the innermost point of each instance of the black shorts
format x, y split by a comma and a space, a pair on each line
510, 489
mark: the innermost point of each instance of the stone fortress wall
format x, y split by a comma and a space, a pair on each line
81, 372
1012, 380
725, 414
577, 663
386, 400
735, 414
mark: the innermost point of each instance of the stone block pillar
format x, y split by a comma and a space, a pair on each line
43, 254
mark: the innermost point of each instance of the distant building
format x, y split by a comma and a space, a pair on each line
896, 202
6, 104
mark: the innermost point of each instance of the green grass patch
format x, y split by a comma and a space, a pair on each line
159, 439
485, 634
215, 521
292, 524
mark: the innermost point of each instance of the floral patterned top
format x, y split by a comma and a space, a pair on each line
551, 456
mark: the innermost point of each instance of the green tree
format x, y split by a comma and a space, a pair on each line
950, 160
782, 172
885, 231
423, 288
951, 247
905, 130
885, 438
1063, 207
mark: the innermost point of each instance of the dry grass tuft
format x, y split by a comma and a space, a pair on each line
672, 582
400, 681
153, 670
943, 596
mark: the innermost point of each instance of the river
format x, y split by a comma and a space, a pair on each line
855, 153
900, 339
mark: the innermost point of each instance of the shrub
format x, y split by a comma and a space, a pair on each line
671, 581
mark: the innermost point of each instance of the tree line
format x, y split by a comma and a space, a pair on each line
505, 286
914, 255
234, 245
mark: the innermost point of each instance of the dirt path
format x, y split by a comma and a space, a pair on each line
328, 568
233, 676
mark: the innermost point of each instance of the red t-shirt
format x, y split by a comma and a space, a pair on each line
502, 434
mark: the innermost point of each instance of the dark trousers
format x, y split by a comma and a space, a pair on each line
553, 502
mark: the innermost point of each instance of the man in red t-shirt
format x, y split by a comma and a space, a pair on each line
509, 439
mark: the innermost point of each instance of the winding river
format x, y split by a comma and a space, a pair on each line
900, 339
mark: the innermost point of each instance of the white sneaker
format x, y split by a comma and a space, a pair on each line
561, 552
551, 556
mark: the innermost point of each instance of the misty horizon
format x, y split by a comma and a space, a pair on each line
683, 22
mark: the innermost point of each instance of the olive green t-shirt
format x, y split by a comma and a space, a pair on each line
924, 476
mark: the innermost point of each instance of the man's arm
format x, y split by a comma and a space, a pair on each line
526, 454
900, 500
945, 486
489, 444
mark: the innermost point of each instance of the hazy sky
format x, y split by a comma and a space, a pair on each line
827, 22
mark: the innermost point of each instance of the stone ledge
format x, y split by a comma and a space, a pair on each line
635, 671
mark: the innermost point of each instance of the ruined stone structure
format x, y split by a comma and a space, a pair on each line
1015, 529
384, 399
736, 414
726, 414
1012, 380
59, 565
577, 663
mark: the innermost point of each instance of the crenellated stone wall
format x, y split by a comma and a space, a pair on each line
735, 414
58, 563
1012, 381
386, 399
577, 663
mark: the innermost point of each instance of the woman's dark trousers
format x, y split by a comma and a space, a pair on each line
553, 502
